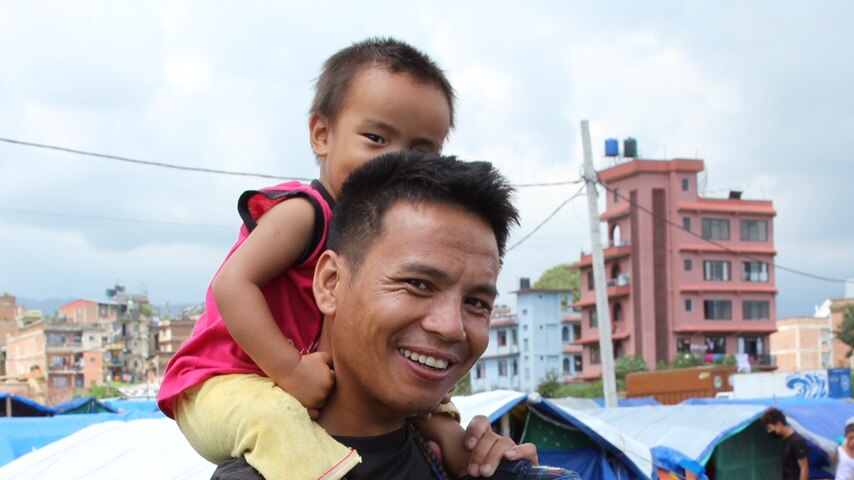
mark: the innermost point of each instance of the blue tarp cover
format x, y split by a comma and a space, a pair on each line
24, 407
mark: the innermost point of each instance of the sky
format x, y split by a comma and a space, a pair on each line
762, 91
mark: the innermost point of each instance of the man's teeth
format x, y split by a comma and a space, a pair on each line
425, 360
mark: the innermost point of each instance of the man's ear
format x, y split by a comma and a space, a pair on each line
327, 276
318, 132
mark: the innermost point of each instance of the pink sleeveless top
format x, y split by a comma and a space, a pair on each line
211, 350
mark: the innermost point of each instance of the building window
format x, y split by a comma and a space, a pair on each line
755, 272
716, 271
717, 309
594, 321
688, 264
502, 368
514, 341
755, 309
715, 229
578, 363
59, 381
683, 345
502, 338
715, 344
686, 223
689, 305
616, 195
618, 312
754, 230
594, 355
564, 335
566, 369
685, 185
576, 331
751, 345
480, 371
514, 368
525, 344
590, 285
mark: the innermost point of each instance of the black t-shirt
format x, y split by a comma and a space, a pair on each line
794, 448
395, 455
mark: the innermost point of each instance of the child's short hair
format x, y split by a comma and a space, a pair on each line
338, 72
849, 428
774, 416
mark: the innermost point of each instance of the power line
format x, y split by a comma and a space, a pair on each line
551, 215
211, 170
112, 219
717, 244
149, 163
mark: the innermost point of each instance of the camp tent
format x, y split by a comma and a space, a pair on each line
19, 406
83, 405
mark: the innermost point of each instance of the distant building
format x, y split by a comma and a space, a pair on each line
686, 274
171, 334
8, 324
69, 353
808, 343
524, 347
802, 343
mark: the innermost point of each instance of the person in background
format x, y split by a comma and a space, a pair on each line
844, 455
795, 451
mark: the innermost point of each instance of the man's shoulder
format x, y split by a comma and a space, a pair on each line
236, 469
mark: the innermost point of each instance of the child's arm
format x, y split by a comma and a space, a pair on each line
475, 451
273, 246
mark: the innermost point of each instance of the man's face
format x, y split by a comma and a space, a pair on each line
414, 316
383, 112
774, 428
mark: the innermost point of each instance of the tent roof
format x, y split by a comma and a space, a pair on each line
24, 407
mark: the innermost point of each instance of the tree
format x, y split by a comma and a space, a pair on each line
463, 386
550, 385
845, 332
629, 364
560, 277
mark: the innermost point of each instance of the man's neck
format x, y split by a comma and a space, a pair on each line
350, 418
788, 432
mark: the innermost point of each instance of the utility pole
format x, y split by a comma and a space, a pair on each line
603, 315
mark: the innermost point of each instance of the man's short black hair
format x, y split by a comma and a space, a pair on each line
774, 416
338, 72
417, 177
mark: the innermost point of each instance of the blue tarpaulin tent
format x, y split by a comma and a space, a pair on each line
19, 406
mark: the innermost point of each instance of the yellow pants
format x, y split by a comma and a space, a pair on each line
233, 415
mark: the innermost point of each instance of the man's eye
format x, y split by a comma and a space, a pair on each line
419, 284
475, 302
375, 138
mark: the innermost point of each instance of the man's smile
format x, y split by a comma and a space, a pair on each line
432, 362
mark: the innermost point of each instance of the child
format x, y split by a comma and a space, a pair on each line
261, 330
844, 456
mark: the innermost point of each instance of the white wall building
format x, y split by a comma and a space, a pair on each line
525, 346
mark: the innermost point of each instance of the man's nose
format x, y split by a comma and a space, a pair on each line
446, 320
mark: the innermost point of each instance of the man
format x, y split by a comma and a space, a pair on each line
795, 451
406, 288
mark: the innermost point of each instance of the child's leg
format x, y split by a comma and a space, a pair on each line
233, 415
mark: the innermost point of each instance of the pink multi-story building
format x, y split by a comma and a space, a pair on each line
686, 274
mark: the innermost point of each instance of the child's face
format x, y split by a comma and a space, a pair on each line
383, 112
849, 440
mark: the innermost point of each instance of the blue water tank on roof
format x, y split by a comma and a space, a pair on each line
612, 147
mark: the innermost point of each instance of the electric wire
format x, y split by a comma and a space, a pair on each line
212, 170
718, 244
112, 219
551, 215
149, 163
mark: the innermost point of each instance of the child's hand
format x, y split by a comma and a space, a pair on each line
488, 448
311, 381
